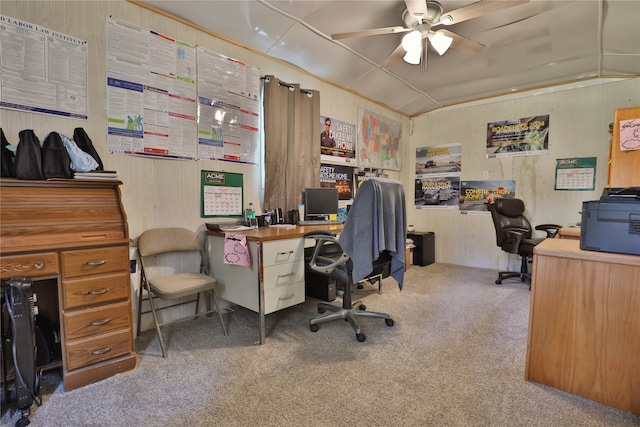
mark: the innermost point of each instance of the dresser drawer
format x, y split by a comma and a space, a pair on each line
95, 290
276, 276
97, 320
32, 265
98, 349
283, 297
95, 261
282, 251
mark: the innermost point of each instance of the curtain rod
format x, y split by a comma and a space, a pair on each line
291, 87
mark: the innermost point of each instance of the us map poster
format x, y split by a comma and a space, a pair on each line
379, 141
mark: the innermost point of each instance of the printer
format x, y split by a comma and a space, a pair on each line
612, 224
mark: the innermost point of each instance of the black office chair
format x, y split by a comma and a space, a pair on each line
374, 234
514, 234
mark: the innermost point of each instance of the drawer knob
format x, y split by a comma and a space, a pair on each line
38, 265
97, 291
100, 322
101, 351
97, 262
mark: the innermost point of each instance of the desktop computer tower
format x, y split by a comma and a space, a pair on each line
319, 286
424, 252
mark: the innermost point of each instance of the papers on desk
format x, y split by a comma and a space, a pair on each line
282, 226
235, 228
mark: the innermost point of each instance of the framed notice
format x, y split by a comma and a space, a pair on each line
576, 174
221, 194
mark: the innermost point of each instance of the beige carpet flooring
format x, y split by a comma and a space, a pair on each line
455, 357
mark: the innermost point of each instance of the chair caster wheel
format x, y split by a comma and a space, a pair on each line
389, 322
498, 282
320, 310
362, 307
313, 327
361, 337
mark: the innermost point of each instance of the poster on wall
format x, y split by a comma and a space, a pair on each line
524, 137
437, 183
379, 140
151, 93
475, 196
576, 174
340, 177
337, 141
43, 71
228, 109
437, 191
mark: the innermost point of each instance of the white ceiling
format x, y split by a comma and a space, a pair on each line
530, 45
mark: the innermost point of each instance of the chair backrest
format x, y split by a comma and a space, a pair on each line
377, 221
169, 239
508, 213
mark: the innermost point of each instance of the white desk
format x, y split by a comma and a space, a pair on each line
275, 278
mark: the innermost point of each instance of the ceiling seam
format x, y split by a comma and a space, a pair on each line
342, 45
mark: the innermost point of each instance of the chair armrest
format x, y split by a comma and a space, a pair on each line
323, 237
550, 229
513, 239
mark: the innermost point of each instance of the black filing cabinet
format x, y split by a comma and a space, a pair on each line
424, 252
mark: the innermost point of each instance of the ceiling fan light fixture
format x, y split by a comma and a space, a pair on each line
412, 41
440, 41
413, 56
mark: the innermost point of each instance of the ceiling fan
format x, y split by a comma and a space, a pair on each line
420, 17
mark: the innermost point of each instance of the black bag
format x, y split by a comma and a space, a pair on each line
8, 168
84, 142
56, 162
28, 160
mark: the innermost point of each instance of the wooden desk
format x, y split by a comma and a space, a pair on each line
71, 238
584, 323
275, 278
569, 232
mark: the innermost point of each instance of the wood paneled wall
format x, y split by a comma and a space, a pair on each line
158, 192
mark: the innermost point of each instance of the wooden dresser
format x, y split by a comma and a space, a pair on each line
72, 235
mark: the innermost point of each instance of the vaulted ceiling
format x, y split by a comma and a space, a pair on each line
532, 44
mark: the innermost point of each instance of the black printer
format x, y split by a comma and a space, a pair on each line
612, 224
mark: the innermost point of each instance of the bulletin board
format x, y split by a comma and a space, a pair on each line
221, 194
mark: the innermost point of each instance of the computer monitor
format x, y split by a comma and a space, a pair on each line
319, 203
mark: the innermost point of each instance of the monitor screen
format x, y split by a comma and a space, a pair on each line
319, 203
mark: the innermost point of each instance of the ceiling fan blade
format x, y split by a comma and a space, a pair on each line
416, 7
372, 32
393, 57
463, 44
477, 9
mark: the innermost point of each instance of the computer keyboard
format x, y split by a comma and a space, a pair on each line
320, 222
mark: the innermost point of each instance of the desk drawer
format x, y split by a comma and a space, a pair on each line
282, 251
98, 349
277, 276
283, 297
95, 290
97, 320
95, 261
32, 265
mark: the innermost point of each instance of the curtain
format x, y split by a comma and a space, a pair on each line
292, 143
